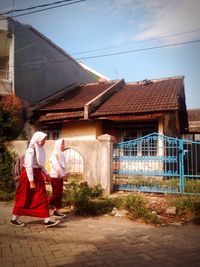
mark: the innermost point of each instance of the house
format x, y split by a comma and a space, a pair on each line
194, 124
32, 66
68, 101
123, 110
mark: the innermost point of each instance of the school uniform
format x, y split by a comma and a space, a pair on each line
32, 201
57, 172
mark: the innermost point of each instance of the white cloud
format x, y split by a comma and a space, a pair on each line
121, 4
169, 17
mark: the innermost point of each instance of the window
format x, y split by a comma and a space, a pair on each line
52, 134
55, 135
142, 147
129, 135
149, 148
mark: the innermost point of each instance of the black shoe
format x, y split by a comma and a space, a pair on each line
51, 224
58, 214
17, 222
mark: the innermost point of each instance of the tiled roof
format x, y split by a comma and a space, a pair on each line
194, 120
132, 99
77, 98
194, 114
140, 98
55, 116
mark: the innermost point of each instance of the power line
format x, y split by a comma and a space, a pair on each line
43, 9
147, 40
34, 7
138, 50
106, 55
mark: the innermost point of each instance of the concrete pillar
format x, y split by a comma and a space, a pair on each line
106, 162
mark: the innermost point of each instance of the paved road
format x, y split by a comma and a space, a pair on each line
96, 242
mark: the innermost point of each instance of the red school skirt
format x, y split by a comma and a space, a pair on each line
29, 202
57, 190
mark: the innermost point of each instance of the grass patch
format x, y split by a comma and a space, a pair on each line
187, 204
136, 205
172, 183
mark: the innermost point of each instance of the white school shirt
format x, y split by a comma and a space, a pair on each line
56, 170
30, 162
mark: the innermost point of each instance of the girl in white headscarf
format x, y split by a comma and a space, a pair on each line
30, 199
57, 174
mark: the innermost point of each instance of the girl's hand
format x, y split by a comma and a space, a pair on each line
65, 178
48, 179
32, 185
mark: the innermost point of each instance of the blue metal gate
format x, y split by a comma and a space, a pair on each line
157, 163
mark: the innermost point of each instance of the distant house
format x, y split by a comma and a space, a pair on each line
98, 76
123, 110
32, 66
194, 124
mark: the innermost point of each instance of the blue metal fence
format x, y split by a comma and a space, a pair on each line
157, 163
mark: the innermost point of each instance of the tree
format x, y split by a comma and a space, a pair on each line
10, 107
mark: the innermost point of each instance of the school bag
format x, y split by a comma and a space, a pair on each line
18, 166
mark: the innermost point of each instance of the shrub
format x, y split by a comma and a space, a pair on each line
188, 203
5, 196
89, 201
86, 200
10, 128
70, 193
7, 184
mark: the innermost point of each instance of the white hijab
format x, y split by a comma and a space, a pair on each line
58, 153
35, 144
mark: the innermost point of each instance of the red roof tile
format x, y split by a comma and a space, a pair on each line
54, 116
194, 120
194, 114
136, 98
78, 97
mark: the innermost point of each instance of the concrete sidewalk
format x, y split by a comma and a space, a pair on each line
104, 241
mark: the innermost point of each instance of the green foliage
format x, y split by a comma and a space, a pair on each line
10, 106
89, 201
86, 200
196, 212
137, 207
192, 186
99, 206
9, 118
74, 192
188, 203
6, 166
96, 191
6, 196
70, 193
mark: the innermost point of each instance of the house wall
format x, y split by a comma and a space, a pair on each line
84, 130
40, 68
90, 130
171, 127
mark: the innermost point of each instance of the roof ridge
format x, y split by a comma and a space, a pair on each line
158, 80
99, 82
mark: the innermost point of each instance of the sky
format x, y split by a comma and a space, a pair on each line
130, 39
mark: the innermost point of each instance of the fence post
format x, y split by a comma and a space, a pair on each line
106, 162
181, 166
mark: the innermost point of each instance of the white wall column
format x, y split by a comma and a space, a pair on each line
105, 162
